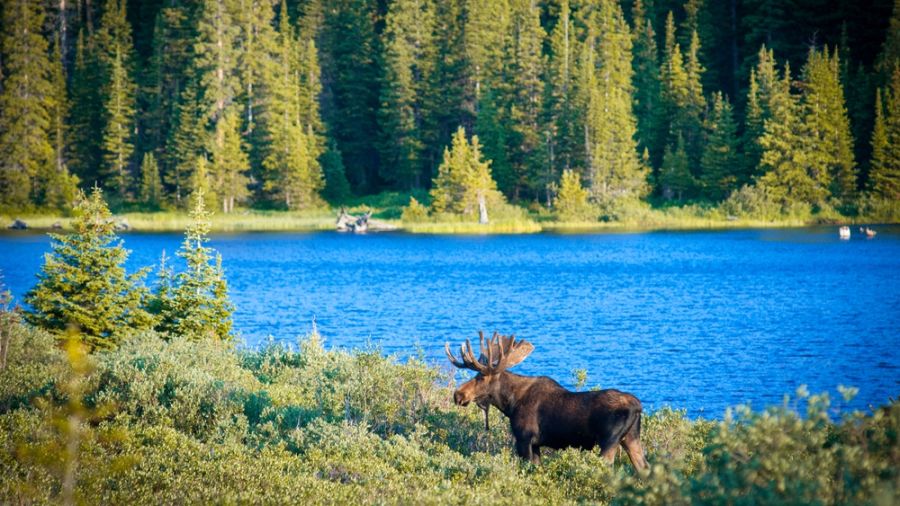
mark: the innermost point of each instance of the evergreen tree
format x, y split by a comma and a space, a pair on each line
229, 163
675, 174
337, 188
614, 171
790, 176
463, 179
525, 93
83, 282
890, 52
56, 187
571, 203
151, 186
760, 95
486, 33
829, 145
200, 177
194, 303
884, 176
490, 129
26, 100
408, 64
86, 125
118, 144
216, 58
562, 114
187, 142
647, 99
717, 176
352, 69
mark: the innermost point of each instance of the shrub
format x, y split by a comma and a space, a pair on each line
415, 212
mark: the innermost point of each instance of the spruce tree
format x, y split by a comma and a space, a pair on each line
83, 282
614, 170
760, 95
56, 186
463, 179
562, 114
188, 140
790, 175
118, 143
651, 128
229, 163
194, 303
572, 202
719, 159
86, 125
829, 150
26, 100
884, 176
337, 188
151, 193
408, 64
675, 173
487, 29
352, 65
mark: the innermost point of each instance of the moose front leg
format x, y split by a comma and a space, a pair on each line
526, 450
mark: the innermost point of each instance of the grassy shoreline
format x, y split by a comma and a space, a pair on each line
324, 220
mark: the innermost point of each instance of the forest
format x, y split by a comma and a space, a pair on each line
580, 107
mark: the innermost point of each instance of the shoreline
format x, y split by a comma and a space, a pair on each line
255, 221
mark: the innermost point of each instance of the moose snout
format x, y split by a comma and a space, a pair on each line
460, 398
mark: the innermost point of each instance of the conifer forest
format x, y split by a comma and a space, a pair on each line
788, 106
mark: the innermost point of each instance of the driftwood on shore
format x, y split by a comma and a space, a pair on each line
18, 225
346, 222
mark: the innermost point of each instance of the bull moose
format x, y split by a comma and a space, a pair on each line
543, 413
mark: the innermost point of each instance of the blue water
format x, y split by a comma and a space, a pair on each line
699, 320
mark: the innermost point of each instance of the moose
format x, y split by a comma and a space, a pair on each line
543, 413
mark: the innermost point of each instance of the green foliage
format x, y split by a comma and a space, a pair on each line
194, 303
151, 186
675, 173
571, 203
26, 103
464, 178
884, 175
83, 283
414, 212
177, 421
720, 155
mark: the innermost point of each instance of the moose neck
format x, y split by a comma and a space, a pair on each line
511, 389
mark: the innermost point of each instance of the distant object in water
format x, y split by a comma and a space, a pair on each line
844, 232
870, 233
346, 222
18, 224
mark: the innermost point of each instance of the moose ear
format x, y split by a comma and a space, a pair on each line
518, 352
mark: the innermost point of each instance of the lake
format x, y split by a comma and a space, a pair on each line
694, 320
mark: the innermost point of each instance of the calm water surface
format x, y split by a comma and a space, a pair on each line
700, 320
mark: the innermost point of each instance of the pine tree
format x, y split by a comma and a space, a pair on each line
337, 188
691, 121
760, 95
486, 33
408, 60
790, 176
351, 45
230, 163
490, 129
463, 179
524, 96
614, 171
571, 203
56, 186
216, 58
675, 174
118, 144
194, 303
151, 187
83, 282
188, 140
717, 176
884, 176
829, 150
890, 52
647, 99
25, 100
86, 125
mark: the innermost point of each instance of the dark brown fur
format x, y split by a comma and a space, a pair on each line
543, 413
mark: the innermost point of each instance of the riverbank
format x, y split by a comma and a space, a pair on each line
177, 421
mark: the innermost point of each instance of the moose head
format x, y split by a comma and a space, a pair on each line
543, 413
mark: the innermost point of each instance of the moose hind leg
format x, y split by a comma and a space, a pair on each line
523, 449
632, 444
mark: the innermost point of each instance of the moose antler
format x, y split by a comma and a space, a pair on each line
497, 354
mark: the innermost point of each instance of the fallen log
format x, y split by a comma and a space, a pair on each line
347, 222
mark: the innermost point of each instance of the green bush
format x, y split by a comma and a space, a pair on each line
181, 421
